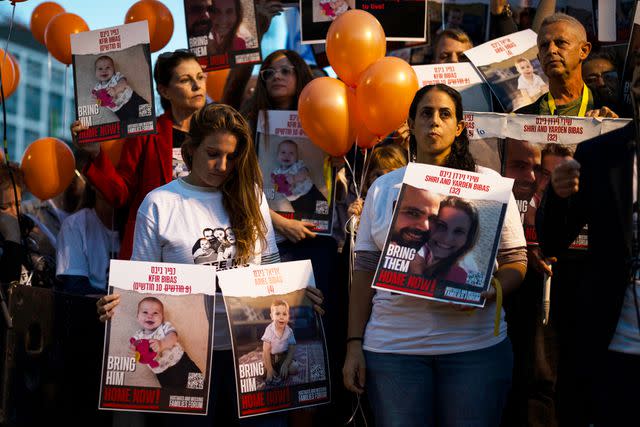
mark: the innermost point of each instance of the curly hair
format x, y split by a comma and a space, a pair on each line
460, 157
242, 189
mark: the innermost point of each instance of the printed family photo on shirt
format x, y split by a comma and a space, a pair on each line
112, 79
158, 349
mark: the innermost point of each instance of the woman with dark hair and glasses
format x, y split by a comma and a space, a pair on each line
427, 363
149, 161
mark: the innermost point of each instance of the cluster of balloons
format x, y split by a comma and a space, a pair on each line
48, 163
52, 26
373, 95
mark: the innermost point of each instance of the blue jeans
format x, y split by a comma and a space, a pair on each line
465, 389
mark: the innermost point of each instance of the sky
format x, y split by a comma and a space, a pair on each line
108, 13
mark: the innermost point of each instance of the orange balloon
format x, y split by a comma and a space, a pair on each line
384, 94
113, 149
215, 83
157, 16
358, 131
48, 166
57, 35
324, 115
16, 70
355, 40
7, 68
40, 17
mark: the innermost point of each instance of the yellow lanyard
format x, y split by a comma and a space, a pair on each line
583, 103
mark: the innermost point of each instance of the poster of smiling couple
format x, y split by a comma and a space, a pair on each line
222, 33
298, 176
444, 234
527, 149
278, 340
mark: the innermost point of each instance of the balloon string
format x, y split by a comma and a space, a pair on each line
4, 128
64, 99
356, 410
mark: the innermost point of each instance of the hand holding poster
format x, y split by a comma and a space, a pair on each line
222, 34
112, 80
451, 260
278, 341
157, 352
511, 67
298, 177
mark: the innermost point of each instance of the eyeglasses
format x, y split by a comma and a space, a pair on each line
269, 73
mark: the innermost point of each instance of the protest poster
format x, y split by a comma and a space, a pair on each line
222, 34
112, 82
278, 340
528, 150
414, 54
633, 54
462, 77
297, 174
470, 16
402, 20
316, 17
511, 67
454, 260
158, 345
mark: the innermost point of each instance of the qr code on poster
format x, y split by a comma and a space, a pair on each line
475, 278
144, 110
317, 372
195, 381
322, 207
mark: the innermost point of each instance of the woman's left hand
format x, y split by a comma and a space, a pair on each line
315, 295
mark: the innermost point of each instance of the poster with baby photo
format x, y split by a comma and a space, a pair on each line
460, 76
532, 148
222, 33
470, 16
158, 344
511, 67
444, 234
112, 82
298, 175
278, 340
402, 20
317, 15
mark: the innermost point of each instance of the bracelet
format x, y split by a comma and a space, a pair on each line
354, 339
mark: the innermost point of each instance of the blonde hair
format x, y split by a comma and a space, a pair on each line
242, 190
279, 302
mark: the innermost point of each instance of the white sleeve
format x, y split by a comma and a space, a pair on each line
146, 242
270, 254
512, 230
167, 328
364, 238
70, 259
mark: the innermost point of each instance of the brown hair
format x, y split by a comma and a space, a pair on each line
261, 101
242, 190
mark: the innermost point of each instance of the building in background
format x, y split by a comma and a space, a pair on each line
36, 108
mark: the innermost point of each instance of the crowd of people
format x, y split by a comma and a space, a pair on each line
417, 362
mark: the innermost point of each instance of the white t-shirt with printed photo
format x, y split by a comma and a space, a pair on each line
410, 325
170, 222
